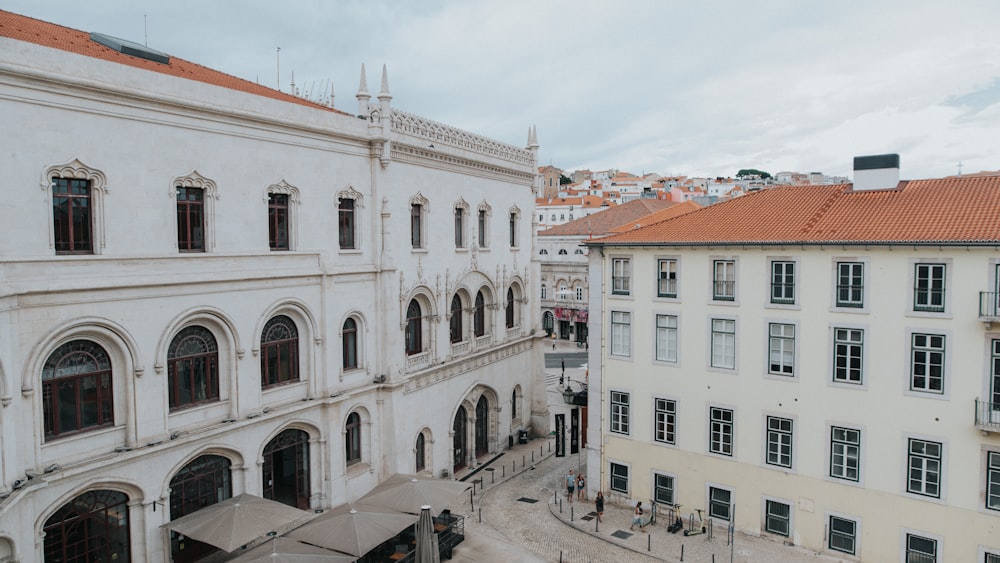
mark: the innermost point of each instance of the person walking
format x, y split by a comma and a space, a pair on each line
637, 517
599, 505
581, 487
570, 484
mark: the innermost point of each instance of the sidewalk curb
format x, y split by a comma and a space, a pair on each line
569, 524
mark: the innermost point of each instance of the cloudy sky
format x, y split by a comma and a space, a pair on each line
668, 86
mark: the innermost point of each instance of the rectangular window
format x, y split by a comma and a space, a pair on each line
459, 227
666, 282
663, 489
927, 363
719, 503
666, 338
850, 284
512, 227
781, 349
848, 346
190, 219
544, 291
845, 453
416, 226
777, 519
277, 221
482, 229
71, 216
579, 293
783, 282
843, 534
924, 468
724, 280
724, 343
779, 441
993, 480
619, 477
721, 439
989, 557
621, 333
621, 274
666, 421
928, 288
619, 412
920, 549
345, 223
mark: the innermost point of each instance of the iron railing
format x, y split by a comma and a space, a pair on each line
988, 415
989, 306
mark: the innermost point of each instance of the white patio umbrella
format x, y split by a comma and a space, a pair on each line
427, 540
236, 521
408, 493
284, 550
353, 528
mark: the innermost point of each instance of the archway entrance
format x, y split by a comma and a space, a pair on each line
286, 469
482, 427
92, 527
459, 444
203, 482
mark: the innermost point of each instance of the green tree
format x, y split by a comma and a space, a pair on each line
564, 179
744, 172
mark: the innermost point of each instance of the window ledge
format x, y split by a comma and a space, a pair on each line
347, 251
358, 468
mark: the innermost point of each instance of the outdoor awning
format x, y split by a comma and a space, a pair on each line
353, 528
407, 493
237, 521
284, 550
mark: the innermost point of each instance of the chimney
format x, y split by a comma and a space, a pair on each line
876, 172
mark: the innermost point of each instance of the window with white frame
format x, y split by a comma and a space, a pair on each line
843, 535
783, 282
621, 276
850, 284
779, 441
721, 438
719, 503
777, 517
666, 338
993, 480
928, 288
666, 281
991, 557
920, 549
579, 293
621, 333
848, 345
619, 477
724, 280
512, 220
460, 226
619, 412
927, 363
563, 292
724, 343
781, 349
663, 489
845, 453
416, 225
924, 468
544, 291
483, 226
665, 421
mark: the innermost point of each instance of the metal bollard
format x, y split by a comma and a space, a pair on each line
649, 542
471, 504
597, 525
570, 513
560, 506
555, 497
682, 553
503, 471
540, 452
532, 456
522, 462
480, 515
493, 477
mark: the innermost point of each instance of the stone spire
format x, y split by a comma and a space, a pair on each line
363, 96
533, 142
384, 97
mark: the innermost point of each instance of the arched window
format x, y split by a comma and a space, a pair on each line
421, 462
279, 352
350, 339
562, 252
479, 316
543, 251
579, 293
563, 292
77, 389
414, 329
509, 310
455, 324
352, 439
92, 527
286, 469
513, 404
205, 481
544, 291
193, 368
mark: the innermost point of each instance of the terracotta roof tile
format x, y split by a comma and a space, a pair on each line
603, 222
23, 28
962, 209
661, 215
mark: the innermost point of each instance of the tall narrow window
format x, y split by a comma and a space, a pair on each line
509, 309
724, 343
724, 280
621, 276
205, 481
850, 284
666, 281
483, 238
619, 412
190, 219
416, 226
665, 422
346, 223
779, 441
455, 323
621, 333
783, 282
479, 315
77, 389
72, 216
352, 438
512, 227
927, 363
419, 453
350, 343
279, 352
459, 227
928, 290
277, 221
666, 338
414, 329
993, 480
848, 347
192, 368
781, 349
924, 475
721, 439
845, 453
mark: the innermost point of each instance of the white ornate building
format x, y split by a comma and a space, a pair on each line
208, 287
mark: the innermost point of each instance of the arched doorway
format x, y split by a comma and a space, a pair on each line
90, 528
459, 444
203, 482
482, 427
286, 469
548, 323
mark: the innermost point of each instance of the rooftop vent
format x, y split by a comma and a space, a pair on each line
876, 172
130, 48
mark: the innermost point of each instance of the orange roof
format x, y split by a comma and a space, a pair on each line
957, 210
604, 222
661, 215
23, 28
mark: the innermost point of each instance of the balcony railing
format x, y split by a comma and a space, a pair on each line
987, 416
724, 290
989, 306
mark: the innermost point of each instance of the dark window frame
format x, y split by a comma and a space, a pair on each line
279, 340
69, 399
346, 223
191, 219
73, 215
203, 366
349, 336
352, 439
278, 218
